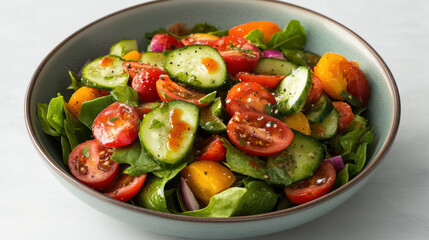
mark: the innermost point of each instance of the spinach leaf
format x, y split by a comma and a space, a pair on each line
245, 164
55, 114
76, 81
300, 57
127, 95
42, 112
203, 28
256, 37
152, 195
283, 203
220, 33
342, 177
66, 150
223, 204
137, 157
90, 109
259, 198
278, 176
293, 37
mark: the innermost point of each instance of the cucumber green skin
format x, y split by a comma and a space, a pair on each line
153, 58
329, 125
154, 139
214, 114
320, 110
123, 47
181, 58
93, 74
292, 91
304, 155
274, 66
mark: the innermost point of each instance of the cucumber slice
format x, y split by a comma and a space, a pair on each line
292, 91
153, 58
320, 110
169, 139
274, 66
188, 65
210, 118
298, 161
108, 77
327, 128
122, 47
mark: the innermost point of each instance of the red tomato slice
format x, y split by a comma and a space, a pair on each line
269, 81
238, 53
132, 68
315, 91
145, 84
248, 97
266, 27
117, 125
162, 41
258, 134
314, 187
90, 163
169, 90
357, 84
211, 149
125, 187
346, 115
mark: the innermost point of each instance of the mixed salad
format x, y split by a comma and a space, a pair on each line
214, 123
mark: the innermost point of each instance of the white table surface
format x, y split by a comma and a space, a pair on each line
393, 205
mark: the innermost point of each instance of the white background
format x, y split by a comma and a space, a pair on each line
393, 205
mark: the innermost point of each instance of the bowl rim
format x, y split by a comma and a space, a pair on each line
289, 211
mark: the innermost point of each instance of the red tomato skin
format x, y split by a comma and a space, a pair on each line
346, 115
96, 175
169, 90
308, 190
162, 41
242, 59
145, 84
244, 131
357, 83
315, 91
269, 81
125, 187
211, 149
116, 126
237, 100
132, 68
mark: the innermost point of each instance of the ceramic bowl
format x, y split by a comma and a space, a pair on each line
324, 35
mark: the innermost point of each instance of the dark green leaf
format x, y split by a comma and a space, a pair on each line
221, 33
223, 204
256, 37
293, 37
137, 157
65, 146
259, 198
342, 177
203, 28
350, 99
42, 110
90, 109
296, 56
283, 203
76, 81
209, 98
55, 115
127, 95
245, 164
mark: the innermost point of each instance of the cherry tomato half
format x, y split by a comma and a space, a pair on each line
199, 39
248, 97
211, 149
125, 187
132, 68
145, 84
357, 84
315, 91
346, 115
162, 41
238, 53
90, 163
314, 187
269, 81
117, 125
169, 90
266, 27
258, 134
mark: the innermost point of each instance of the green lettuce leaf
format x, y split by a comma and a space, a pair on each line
76, 81
223, 204
293, 37
256, 37
259, 198
90, 109
127, 95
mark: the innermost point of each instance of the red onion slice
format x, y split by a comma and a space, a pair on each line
273, 54
337, 162
188, 197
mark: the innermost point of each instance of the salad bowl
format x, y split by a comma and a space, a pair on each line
323, 35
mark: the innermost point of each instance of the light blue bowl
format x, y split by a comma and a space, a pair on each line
324, 35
